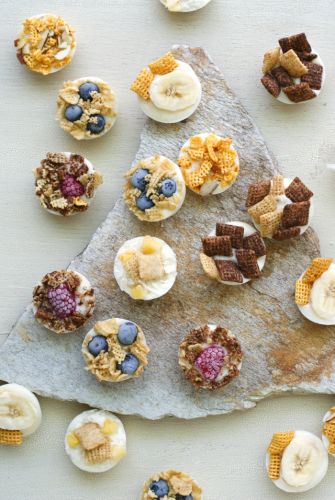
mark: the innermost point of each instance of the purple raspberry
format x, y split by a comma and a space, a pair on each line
71, 187
210, 361
62, 301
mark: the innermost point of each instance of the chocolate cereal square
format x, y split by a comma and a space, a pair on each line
217, 245
297, 191
295, 214
247, 262
256, 243
236, 233
286, 234
228, 271
282, 76
257, 192
306, 56
300, 92
271, 84
314, 75
297, 42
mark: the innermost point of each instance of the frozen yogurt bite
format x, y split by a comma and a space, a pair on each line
184, 5
171, 485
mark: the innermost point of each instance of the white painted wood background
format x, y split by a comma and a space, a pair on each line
115, 39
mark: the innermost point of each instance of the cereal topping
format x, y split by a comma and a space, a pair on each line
176, 485
279, 441
162, 66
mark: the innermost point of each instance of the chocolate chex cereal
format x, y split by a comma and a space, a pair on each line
236, 233
282, 76
257, 192
285, 234
297, 191
271, 84
247, 262
297, 42
300, 92
296, 214
314, 75
217, 245
228, 271
255, 242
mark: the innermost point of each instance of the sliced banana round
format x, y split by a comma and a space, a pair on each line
19, 409
184, 5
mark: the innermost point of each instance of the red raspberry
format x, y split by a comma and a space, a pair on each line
71, 187
210, 361
62, 301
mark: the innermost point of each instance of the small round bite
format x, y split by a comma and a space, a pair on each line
46, 44
296, 461
86, 108
65, 183
233, 254
155, 189
315, 292
145, 268
328, 431
20, 414
210, 357
171, 484
209, 163
184, 5
280, 208
115, 350
95, 441
168, 90
63, 301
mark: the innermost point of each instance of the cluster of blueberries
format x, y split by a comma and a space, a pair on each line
161, 490
74, 112
126, 335
139, 180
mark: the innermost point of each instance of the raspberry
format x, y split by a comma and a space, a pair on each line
62, 301
71, 187
210, 361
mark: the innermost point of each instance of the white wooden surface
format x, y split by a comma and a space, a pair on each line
115, 39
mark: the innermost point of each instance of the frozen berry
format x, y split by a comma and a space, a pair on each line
62, 301
144, 203
138, 179
73, 113
160, 488
168, 187
127, 333
129, 365
85, 90
71, 187
210, 361
183, 497
97, 344
97, 125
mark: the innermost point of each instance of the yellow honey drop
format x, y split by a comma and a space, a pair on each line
149, 245
119, 452
72, 440
109, 427
137, 292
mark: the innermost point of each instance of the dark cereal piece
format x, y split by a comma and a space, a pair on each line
297, 191
257, 192
285, 234
271, 84
229, 271
297, 42
296, 214
282, 76
300, 92
256, 243
217, 245
306, 56
247, 262
236, 233
314, 75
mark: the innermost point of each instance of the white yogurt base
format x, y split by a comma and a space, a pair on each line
184, 5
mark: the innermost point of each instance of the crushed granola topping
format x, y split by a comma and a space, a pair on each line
179, 484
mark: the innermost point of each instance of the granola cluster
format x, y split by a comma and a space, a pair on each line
106, 365
208, 163
177, 484
165, 64
292, 68
73, 283
46, 44
215, 370
303, 286
65, 183
279, 211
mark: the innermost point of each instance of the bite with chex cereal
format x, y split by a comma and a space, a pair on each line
171, 485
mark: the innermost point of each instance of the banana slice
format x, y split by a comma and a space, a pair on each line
184, 5
323, 295
19, 409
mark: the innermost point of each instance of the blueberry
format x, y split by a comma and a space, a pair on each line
138, 179
85, 90
73, 113
129, 365
96, 128
143, 202
97, 344
127, 333
182, 497
168, 187
160, 488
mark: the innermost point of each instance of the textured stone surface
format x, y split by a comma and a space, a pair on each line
283, 352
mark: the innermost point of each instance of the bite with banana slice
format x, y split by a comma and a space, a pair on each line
168, 90
20, 414
184, 5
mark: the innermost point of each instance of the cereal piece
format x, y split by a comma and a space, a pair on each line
217, 245
142, 83
268, 204
270, 222
328, 429
247, 262
151, 266
164, 64
296, 214
277, 185
297, 191
299, 92
291, 62
196, 142
306, 56
274, 467
11, 437
279, 441
285, 234
236, 233
100, 454
209, 267
317, 267
90, 436
257, 192
131, 266
270, 59
271, 84
256, 243
282, 76
198, 177
184, 162
228, 271
314, 75
302, 292
296, 42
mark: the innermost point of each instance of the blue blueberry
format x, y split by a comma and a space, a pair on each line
97, 344
138, 179
168, 187
160, 488
144, 203
127, 333
85, 90
96, 128
73, 113
129, 365
182, 497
